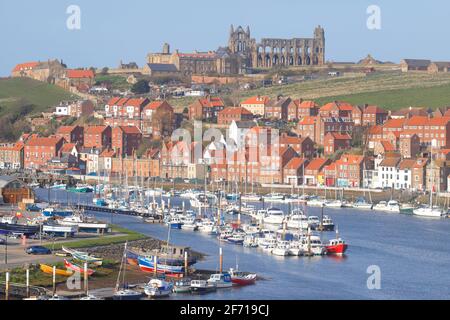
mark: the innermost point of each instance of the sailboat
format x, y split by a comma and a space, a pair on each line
125, 293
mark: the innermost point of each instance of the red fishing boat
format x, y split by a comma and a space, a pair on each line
241, 278
76, 268
336, 246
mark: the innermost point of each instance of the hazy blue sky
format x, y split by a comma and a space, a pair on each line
112, 30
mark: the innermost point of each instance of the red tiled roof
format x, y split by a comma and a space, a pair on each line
394, 123
113, 101
420, 163
344, 106
68, 147
350, 159
79, 74
295, 163
95, 129
440, 121
136, 102
235, 110
26, 65
256, 100
374, 110
305, 104
316, 164
45, 142
284, 139
416, 121
390, 162
130, 129
340, 136
65, 129
406, 164
154, 105
387, 146
211, 102
376, 129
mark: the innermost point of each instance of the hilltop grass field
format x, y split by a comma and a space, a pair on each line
390, 90
16, 92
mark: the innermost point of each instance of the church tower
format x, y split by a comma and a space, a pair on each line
319, 45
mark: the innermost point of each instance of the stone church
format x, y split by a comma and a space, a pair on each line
243, 53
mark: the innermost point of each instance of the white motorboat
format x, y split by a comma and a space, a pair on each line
281, 249
250, 241
158, 288
313, 245
274, 197
274, 216
295, 248
207, 226
333, 203
298, 221
390, 206
221, 280
313, 221
189, 223
315, 202
251, 197
127, 294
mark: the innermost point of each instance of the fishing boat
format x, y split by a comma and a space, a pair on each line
327, 224
237, 239
170, 260
147, 264
207, 226
83, 256
174, 223
242, 279
75, 268
157, 288
336, 246
49, 270
56, 212
189, 223
274, 216
182, 286
221, 280
9, 225
202, 287
311, 244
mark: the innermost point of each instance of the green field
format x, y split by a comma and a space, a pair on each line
16, 92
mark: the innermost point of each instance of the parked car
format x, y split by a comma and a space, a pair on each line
38, 250
2, 241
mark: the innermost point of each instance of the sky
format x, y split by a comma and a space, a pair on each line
115, 30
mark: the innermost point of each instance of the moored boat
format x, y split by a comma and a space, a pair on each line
336, 246
242, 279
49, 270
202, 287
157, 288
221, 280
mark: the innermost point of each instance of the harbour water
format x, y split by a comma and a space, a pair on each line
413, 255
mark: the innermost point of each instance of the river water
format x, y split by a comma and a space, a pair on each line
412, 253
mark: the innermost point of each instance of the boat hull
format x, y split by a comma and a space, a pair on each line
18, 228
338, 249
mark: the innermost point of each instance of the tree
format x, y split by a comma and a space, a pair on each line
140, 87
105, 71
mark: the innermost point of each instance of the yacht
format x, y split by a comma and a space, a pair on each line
362, 204
274, 216
251, 197
333, 204
274, 197
202, 286
189, 223
298, 221
316, 202
207, 226
432, 212
313, 222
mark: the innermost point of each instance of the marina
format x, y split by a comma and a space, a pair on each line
401, 245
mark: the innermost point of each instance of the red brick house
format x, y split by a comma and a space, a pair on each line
336, 141
374, 115
313, 169
336, 109
125, 140
278, 108
256, 105
157, 119
38, 151
293, 171
306, 108
125, 111
98, 137
306, 127
72, 134
230, 114
206, 108
409, 144
304, 146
